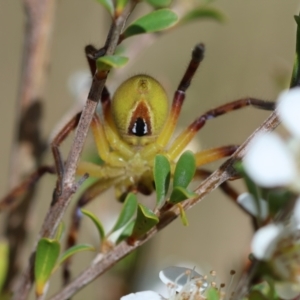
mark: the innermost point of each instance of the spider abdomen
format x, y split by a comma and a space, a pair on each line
140, 109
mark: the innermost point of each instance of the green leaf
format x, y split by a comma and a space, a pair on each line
295, 80
161, 174
60, 230
183, 216
128, 211
47, 253
180, 194
3, 261
145, 220
159, 3
202, 13
257, 295
185, 169
127, 232
73, 250
96, 221
212, 294
155, 21
120, 6
108, 5
106, 62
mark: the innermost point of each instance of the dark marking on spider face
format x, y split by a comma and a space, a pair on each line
139, 127
140, 124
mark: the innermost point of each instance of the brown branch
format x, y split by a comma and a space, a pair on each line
68, 187
28, 146
225, 172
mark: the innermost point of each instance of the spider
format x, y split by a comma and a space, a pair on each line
136, 125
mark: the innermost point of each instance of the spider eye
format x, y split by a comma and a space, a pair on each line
139, 107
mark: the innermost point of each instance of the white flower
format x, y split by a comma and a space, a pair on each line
279, 245
289, 109
183, 284
258, 209
271, 161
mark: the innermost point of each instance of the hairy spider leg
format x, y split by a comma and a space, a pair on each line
188, 134
197, 56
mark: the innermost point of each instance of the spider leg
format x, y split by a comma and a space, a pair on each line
168, 129
211, 155
187, 135
94, 190
104, 144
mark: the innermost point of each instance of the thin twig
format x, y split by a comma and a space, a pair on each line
60, 203
28, 146
225, 172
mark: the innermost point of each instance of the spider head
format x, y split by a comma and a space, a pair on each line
139, 109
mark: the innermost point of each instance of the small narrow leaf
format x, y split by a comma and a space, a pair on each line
46, 255
212, 294
127, 232
145, 220
180, 194
155, 21
108, 5
183, 216
105, 63
73, 250
161, 174
295, 80
159, 3
60, 231
96, 221
185, 169
3, 262
202, 13
128, 211
120, 6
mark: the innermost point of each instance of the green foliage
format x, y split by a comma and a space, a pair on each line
73, 250
127, 232
183, 216
212, 294
202, 12
108, 5
60, 231
162, 174
180, 193
3, 261
145, 220
107, 62
185, 169
154, 21
159, 3
128, 211
46, 255
295, 80
96, 221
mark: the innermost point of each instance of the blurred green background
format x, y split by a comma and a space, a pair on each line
250, 55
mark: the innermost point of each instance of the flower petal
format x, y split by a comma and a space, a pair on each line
287, 290
269, 162
264, 241
288, 110
178, 276
146, 295
247, 201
